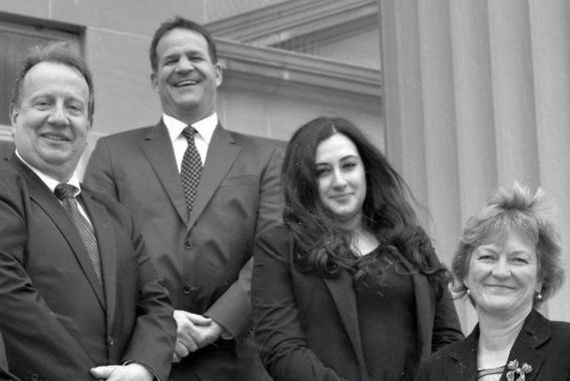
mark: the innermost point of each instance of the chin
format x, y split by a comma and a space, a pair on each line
502, 307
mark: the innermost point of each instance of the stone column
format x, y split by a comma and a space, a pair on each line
476, 96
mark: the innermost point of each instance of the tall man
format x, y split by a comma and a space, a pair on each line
79, 294
201, 193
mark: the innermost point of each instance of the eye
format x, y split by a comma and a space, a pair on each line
322, 171
197, 57
520, 260
75, 108
171, 60
349, 165
42, 103
486, 257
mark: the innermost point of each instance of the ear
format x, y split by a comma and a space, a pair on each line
14, 113
218, 73
154, 81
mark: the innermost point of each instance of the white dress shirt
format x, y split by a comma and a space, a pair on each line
52, 183
204, 128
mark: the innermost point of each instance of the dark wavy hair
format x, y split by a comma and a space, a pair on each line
179, 22
321, 245
60, 52
514, 208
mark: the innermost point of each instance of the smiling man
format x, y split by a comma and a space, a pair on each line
201, 194
79, 295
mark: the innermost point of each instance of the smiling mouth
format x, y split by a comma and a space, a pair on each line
186, 83
56, 137
500, 286
341, 196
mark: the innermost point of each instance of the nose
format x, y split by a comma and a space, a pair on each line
183, 65
338, 179
58, 116
501, 270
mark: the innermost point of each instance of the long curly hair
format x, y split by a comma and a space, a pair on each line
321, 245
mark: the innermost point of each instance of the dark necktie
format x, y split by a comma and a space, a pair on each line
191, 168
66, 193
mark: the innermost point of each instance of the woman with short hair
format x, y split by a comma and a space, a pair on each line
507, 264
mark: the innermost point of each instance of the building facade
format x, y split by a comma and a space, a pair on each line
463, 96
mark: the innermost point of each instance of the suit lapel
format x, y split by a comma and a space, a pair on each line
342, 291
464, 359
102, 226
534, 333
45, 199
222, 153
158, 149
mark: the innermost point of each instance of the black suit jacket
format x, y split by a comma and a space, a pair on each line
6, 149
205, 260
307, 325
4, 374
541, 343
58, 321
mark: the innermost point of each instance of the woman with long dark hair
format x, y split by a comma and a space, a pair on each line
350, 287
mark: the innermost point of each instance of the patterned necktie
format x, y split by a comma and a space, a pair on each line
66, 193
191, 168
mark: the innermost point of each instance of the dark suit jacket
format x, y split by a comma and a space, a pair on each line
4, 374
205, 260
58, 321
6, 149
542, 344
307, 325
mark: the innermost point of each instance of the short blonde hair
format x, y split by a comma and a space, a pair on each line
513, 208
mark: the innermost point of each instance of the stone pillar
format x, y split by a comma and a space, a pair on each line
476, 96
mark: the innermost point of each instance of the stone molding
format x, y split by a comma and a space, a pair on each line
278, 24
291, 67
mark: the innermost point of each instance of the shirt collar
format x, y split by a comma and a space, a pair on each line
205, 127
50, 181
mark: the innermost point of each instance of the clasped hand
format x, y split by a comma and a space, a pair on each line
130, 372
193, 332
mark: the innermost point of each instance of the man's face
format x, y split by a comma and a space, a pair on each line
186, 78
51, 122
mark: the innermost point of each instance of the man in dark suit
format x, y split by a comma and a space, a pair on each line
79, 294
199, 228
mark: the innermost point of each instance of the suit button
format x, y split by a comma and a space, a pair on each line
34, 377
187, 245
110, 341
189, 289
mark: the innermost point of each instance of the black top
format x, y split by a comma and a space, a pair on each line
385, 302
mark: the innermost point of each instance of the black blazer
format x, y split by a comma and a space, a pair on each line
307, 325
4, 374
541, 343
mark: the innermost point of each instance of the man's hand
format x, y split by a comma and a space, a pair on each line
130, 372
193, 332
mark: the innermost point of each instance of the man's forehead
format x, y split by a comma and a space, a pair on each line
51, 72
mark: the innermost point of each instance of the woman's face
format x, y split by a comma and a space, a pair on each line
503, 275
341, 179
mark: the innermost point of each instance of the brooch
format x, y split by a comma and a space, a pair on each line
517, 373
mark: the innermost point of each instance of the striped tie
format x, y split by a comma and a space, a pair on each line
66, 193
